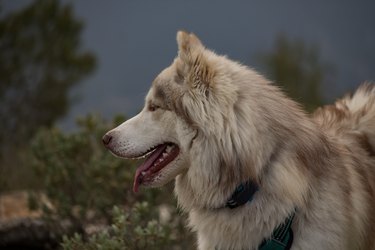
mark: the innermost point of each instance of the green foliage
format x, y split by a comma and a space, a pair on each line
299, 69
78, 173
130, 230
40, 60
83, 181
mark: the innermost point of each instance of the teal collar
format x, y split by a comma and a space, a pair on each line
282, 236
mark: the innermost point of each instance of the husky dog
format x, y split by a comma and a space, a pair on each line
212, 124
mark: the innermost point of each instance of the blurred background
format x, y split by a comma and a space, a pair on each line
70, 70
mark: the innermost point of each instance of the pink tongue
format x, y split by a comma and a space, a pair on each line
146, 165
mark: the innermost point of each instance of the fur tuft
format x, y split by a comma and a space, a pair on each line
353, 114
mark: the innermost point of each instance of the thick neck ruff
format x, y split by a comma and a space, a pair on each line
282, 236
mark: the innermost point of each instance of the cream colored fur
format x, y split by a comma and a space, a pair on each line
232, 125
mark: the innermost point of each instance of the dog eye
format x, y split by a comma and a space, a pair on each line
153, 107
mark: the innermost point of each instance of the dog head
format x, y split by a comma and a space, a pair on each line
165, 130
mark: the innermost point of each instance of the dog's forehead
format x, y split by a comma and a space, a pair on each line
163, 82
157, 90
165, 75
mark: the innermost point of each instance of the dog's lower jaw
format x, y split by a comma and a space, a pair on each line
161, 179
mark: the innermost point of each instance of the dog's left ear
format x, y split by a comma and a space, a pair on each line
188, 44
192, 65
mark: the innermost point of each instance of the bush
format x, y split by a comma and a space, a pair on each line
83, 181
123, 234
78, 174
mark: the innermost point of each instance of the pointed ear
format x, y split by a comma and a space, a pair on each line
188, 44
192, 66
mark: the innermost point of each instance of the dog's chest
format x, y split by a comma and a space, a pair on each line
225, 230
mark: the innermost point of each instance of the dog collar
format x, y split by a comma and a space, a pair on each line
244, 193
282, 236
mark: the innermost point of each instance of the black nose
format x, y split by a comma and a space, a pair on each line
106, 139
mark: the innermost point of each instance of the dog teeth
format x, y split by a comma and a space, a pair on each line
143, 173
165, 154
168, 149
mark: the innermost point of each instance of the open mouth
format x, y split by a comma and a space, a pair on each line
157, 158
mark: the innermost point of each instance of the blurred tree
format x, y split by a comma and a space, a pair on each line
40, 60
298, 68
